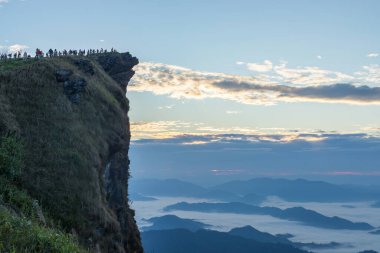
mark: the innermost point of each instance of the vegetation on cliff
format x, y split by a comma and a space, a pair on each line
64, 155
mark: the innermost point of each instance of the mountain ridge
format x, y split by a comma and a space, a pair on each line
299, 214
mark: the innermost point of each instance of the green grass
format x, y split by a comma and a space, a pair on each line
23, 236
11, 155
21, 229
16, 199
14, 63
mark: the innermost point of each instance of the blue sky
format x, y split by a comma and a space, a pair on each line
293, 68
204, 35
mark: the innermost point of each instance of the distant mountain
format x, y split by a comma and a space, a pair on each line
169, 222
251, 198
140, 197
319, 246
299, 190
368, 251
252, 233
177, 188
285, 236
300, 214
168, 187
207, 241
375, 232
377, 204
173, 222
254, 191
348, 206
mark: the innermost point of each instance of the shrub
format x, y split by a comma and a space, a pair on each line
10, 157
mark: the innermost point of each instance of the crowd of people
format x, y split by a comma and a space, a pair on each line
54, 53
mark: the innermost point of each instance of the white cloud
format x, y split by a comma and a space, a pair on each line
233, 112
283, 84
306, 76
319, 57
3, 2
161, 129
372, 55
166, 107
370, 74
102, 41
264, 67
13, 48
17, 47
240, 63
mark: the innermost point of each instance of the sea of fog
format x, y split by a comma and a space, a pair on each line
359, 240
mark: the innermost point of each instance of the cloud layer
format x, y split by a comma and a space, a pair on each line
249, 155
162, 130
272, 84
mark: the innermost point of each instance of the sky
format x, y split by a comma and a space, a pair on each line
277, 72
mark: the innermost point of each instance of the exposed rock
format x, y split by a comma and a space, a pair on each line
123, 78
118, 66
63, 75
116, 172
74, 88
85, 66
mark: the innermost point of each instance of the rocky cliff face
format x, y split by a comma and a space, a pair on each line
71, 115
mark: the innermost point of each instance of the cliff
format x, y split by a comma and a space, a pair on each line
64, 164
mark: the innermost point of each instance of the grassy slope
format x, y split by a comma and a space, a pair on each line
65, 144
23, 227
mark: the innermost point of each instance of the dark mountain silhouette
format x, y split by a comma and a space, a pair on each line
300, 214
285, 236
252, 233
173, 222
300, 190
170, 222
207, 241
375, 232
